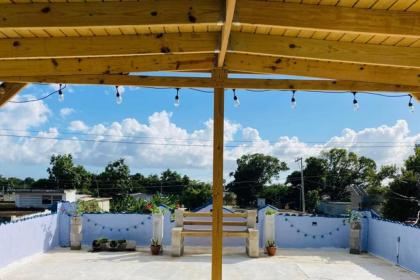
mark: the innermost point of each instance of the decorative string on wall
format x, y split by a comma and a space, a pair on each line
117, 229
26, 218
318, 235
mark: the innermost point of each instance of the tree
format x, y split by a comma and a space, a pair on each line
65, 175
196, 195
115, 179
277, 195
253, 172
173, 182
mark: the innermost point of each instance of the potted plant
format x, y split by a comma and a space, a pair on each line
155, 247
113, 245
122, 244
271, 247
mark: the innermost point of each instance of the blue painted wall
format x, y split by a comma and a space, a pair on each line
25, 238
395, 242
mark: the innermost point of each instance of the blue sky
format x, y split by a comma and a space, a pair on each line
262, 119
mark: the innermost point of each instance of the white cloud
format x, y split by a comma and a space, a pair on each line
65, 112
159, 143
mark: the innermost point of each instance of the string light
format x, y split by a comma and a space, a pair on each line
410, 104
2, 89
118, 96
60, 93
293, 100
236, 102
176, 102
356, 105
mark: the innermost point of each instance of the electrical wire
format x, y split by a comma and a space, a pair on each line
38, 99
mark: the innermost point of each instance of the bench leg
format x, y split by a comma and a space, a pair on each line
177, 242
252, 243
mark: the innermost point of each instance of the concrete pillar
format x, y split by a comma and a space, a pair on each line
355, 237
252, 219
157, 233
252, 243
179, 217
269, 228
177, 242
76, 233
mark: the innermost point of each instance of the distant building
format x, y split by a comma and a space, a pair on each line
103, 202
334, 208
144, 196
38, 198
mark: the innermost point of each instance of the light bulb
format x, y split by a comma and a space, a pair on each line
356, 105
176, 102
293, 100
60, 95
236, 102
411, 105
2, 89
118, 96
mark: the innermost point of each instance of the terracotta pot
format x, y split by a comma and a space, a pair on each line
155, 249
271, 251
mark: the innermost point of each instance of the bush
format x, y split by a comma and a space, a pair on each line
196, 195
87, 207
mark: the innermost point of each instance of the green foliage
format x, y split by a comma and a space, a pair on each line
253, 172
277, 195
155, 242
87, 207
312, 200
115, 179
168, 200
196, 195
270, 243
270, 212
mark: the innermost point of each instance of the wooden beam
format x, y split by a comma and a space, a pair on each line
201, 82
416, 95
8, 90
218, 75
106, 65
108, 14
324, 50
230, 10
328, 18
322, 69
174, 43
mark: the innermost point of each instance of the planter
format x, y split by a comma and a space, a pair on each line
155, 249
355, 237
271, 251
113, 245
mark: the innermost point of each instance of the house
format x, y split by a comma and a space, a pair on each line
38, 198
103, 202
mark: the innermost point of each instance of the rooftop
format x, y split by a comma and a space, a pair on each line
196, 263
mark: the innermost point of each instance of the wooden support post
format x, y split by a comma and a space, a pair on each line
219, 75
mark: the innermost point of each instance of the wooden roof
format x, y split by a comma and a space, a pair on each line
356, 41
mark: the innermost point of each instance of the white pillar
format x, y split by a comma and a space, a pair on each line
76, 233
179, 217
252, 219
158, 228
269, 228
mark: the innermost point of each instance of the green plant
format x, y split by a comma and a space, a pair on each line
270, 212
87, 207
122, 241
113, 244
102, 240
155, 242
355, 216
270, 243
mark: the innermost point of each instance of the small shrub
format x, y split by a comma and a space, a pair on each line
270, 243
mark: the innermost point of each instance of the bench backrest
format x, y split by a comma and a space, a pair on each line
245, 219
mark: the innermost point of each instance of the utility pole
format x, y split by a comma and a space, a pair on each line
302, 184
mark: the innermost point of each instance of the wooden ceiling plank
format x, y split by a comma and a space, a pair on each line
109, 14
322, 69
325, 50
328, 18
105, 65
108, 45
9, 90
226, 30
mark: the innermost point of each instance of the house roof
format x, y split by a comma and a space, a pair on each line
49, 191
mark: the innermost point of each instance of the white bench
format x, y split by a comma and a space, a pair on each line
245, 224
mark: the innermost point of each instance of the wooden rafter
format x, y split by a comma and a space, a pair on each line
324, 50
416, 95
328, 18
200, 82
322, 69
230, 10
8, 90
106, 65
108, 45
108, 14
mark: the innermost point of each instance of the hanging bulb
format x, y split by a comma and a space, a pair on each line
176, 102
60, 93
356, 105
410, 104
236, 102
293, 100
118, 96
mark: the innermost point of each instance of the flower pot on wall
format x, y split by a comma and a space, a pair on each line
271, 251
155, 249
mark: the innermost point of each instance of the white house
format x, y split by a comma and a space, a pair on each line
38, 198
103, 202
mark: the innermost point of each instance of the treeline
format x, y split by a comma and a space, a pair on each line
330, 176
